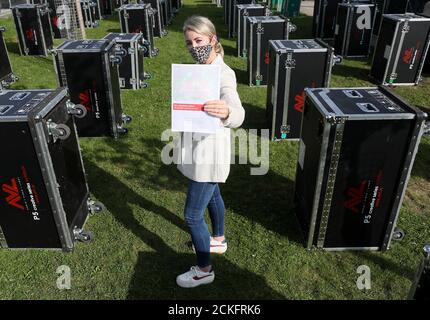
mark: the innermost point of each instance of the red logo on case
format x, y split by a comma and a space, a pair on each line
355, 197
300, 102
266, 58
407, 55
29, 35
13, 197
84, 99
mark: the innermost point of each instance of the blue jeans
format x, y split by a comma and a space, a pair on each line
202, 195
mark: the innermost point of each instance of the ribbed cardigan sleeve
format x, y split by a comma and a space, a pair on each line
231, 97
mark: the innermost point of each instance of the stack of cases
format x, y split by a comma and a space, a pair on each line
131, 69
229, 13
401, 49
354, 23
6, 74
386, 7
294, 65
33, 28
159, 23
43, 175
139, 18
260, 30
356, 154
245, 11
90, 13
89, 68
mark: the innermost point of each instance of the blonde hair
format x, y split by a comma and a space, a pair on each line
203, 25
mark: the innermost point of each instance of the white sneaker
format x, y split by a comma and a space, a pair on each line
195, 277
215, 246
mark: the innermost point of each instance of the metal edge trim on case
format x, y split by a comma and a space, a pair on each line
250, 53
42, 34
133, 62
275, 104
106, 73
258, 57
347, 35
330, 102
412, 152
329, 65
400, 47
3, 242
384, 79
290, 54
19, 31
328, 196
320, 176
352, 248
423, 60
47, 169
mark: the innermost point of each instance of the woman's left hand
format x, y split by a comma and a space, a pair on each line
217, 108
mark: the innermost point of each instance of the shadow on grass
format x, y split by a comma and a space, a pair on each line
114, 30
266, 199
13, 47
346, 71
109, 185
241, 76
421, 166
255, 117
155, 273
384, 263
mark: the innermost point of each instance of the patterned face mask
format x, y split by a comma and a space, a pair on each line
201, 54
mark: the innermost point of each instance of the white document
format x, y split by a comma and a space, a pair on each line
192, 86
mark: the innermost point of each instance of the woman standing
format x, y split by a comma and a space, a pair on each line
204, 176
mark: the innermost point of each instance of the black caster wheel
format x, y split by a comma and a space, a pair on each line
86, 237
147, 76
127, 119
398, 235
145, 85
83, 236
124, 131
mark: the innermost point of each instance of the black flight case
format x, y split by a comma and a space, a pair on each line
235, 17
131, 69
354, 23
420, 289
324, 17
159, 18
293, 66
401, 49
386, 7
260, 31
229, 13
245, 11
139, 18
33, 29
356, 154
45, 198
90, 13
6, 75
89, 68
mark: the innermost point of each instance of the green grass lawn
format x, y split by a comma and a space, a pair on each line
140, 240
